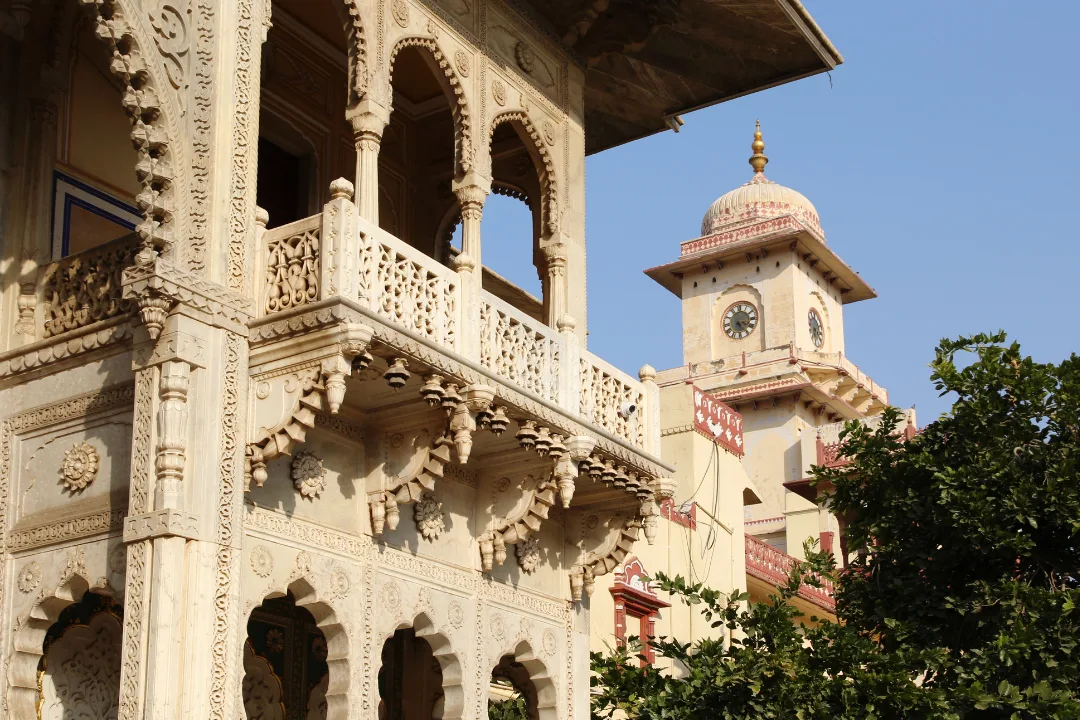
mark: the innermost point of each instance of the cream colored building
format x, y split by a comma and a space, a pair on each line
762, 296
271, 445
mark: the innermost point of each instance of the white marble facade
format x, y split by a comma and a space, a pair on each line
283, 469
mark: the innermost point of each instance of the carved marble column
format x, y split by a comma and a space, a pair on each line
368, 120
555, 305
33, 220
159, 523
471, 194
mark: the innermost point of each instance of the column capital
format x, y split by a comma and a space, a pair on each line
368, 118
472, 189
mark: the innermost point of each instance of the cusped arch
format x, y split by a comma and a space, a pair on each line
153, 106
29, 636
542, 161
452, 87
546, 694
305, 595
452, 704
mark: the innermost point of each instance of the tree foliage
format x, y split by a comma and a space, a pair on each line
960, 600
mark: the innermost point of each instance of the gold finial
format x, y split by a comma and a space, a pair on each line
758, 161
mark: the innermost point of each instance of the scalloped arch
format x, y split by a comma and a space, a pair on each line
453, 700
459, 106
549, 203
306, 596
540, 677
29, 635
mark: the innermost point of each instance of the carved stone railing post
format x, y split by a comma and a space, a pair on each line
262, 219
555, 294
569, 365
650, 414
368, 119
471, 194
339, 271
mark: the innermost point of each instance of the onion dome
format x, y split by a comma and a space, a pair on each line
758, 200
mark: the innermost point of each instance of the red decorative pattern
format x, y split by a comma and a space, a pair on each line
774, 226
718, 422
687, 518
634, 597
765, 562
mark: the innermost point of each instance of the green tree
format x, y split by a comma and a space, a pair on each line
775, 665
961, 599
967, 537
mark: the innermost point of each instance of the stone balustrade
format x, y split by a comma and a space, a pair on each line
766, 563
338, 254
85, 288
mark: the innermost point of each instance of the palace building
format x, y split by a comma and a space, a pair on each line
273, 444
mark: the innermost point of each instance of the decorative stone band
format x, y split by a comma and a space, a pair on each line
161, 523
47, 356
214, 304
77, 528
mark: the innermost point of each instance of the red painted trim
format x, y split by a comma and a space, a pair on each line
645, 606
686, 519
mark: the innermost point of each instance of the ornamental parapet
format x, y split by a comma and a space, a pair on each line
828, 383
770, 565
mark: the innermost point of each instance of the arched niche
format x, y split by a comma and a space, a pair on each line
419, 673
427, 144
528, 675
71, 604
294, 624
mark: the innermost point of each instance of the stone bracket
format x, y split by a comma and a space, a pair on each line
183, 339
161, 523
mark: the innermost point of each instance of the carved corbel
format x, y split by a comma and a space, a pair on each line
463, 421
153, 310
568, 465
417, 480
517, 527
617, 542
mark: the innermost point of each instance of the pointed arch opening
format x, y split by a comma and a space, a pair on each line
424, 147
71, 638
313, 68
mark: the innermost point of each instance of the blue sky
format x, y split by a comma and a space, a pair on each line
942, 159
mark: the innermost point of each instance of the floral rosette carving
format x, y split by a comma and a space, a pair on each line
275, 641
428, 515
262, 562
308, 474
528, 555
29, 578
80, 467
339, 583
526, 57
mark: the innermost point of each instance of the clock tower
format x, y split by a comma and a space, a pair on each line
763, 299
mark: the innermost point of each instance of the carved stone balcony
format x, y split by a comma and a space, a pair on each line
359, 333
339, 256
77, 305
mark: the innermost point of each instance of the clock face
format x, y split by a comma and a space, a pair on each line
740, 320
817, 330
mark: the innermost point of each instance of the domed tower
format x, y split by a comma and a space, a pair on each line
763, 331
